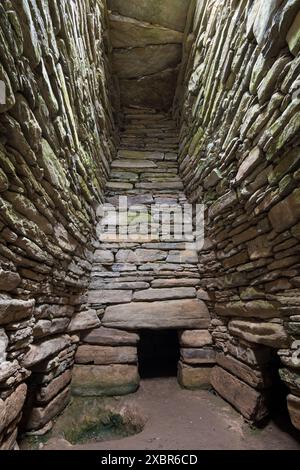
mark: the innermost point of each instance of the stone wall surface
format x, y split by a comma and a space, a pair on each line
57, 139
240, 156
147, 37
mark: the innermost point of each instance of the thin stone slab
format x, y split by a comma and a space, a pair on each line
165, 294
172, 314
110, 337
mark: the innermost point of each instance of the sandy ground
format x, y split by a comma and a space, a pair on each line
186, 420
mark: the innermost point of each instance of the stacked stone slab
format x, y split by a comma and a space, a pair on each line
146, 282
239, 154
56, 144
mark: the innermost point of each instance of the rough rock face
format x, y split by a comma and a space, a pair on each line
56, 143
147, 37
239, 111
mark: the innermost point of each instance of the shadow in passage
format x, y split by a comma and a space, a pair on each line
158, 353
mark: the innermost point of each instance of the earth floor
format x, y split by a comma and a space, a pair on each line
186, 420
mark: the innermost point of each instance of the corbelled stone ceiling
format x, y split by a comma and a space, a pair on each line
147, 37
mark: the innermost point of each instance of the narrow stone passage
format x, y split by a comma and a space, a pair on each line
143, 280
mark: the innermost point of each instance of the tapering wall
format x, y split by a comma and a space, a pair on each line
240, 155
56, 143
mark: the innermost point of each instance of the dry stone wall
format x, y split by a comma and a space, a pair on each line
146, 279
240, 156
56, 144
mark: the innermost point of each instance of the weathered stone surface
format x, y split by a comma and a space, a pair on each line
158, 315
109, 296
165, 294
50, 327
169, 13
48, 392
106, 355
194, 378
12, 310
9, 280
39, 416
249, 402
293, 403
141, 61
128, 32
286, 213
293, 36
268, 334
104, 380
248, 165
42, 351
263, 18
155, 91
140, 256
255, 379
292, 379
254, 308
3, 345
174, 283
195, 338
103, 257
12, 406
110, 337
195, 356
84, 321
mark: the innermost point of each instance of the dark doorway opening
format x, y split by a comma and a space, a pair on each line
158, 353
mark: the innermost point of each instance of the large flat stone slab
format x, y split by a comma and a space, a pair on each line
128, 32
155, 91
97, 381
165, 294
168, 13
110, 337
141, 61
106, 355
248, 401
173, 314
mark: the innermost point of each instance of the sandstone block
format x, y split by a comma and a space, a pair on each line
196, 356
249, 402
106, 355
158, 315
268, 334
110, 337
165, 294
12, 406
48, 348
84, 321
293, 36
109, 296
12, 310
9, 280
3, 345
252, 377
128, 32
195, 338
194, 378
294, 410
118, 379
49, 391
38, 417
